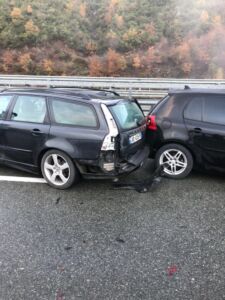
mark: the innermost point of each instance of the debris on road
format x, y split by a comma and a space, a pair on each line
67, 248
172, 270
57, 200
119, 240
143, 186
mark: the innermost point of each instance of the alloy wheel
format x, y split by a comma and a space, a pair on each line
174, 161
57, 169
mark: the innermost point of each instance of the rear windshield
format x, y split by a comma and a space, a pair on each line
128, 114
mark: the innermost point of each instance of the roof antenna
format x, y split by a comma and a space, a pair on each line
187, 87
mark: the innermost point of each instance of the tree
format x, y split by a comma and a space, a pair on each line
48, 66
95, 66
25, 61
204, 16
7, 60
16, 13
137, 61
31, 28
82, 10
115, 62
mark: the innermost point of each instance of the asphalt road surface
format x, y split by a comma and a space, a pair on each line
92, 242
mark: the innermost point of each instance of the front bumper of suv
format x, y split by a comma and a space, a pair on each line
94, 170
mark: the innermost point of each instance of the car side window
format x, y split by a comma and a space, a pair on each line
73, 113
194, 109
4, 103
214, 109
29, 109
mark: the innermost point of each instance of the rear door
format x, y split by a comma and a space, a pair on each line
132, 126
205, 121
26, 129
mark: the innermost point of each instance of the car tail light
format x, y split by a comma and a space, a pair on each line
109, 140
151, 123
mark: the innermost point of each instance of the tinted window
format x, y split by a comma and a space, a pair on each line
214, 109
4, 103
194, 109
29, 109
72, 113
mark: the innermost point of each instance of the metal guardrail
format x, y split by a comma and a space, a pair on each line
125, 82
147, 90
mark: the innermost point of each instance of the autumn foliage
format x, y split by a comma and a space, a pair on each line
146, 38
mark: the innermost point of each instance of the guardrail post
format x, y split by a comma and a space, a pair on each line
130, 92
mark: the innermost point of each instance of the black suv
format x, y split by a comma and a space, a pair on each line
186, 129
65, 133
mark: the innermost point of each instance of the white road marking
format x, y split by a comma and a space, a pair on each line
22, 179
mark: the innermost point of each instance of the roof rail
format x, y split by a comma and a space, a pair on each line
84, 88
28, 86
79, 92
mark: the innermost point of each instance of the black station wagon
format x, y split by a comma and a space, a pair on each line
69, 133
187, 129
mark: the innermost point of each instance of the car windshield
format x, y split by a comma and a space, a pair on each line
128, 114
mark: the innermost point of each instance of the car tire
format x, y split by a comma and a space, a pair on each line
59, 170
177, 160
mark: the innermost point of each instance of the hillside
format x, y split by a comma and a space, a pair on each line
146, 38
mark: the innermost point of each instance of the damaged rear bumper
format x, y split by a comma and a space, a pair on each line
126, 166
135, 161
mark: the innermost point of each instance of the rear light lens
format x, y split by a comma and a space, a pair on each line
151, 123
109, 141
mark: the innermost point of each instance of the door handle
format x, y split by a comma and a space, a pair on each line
36, 132
197, 130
